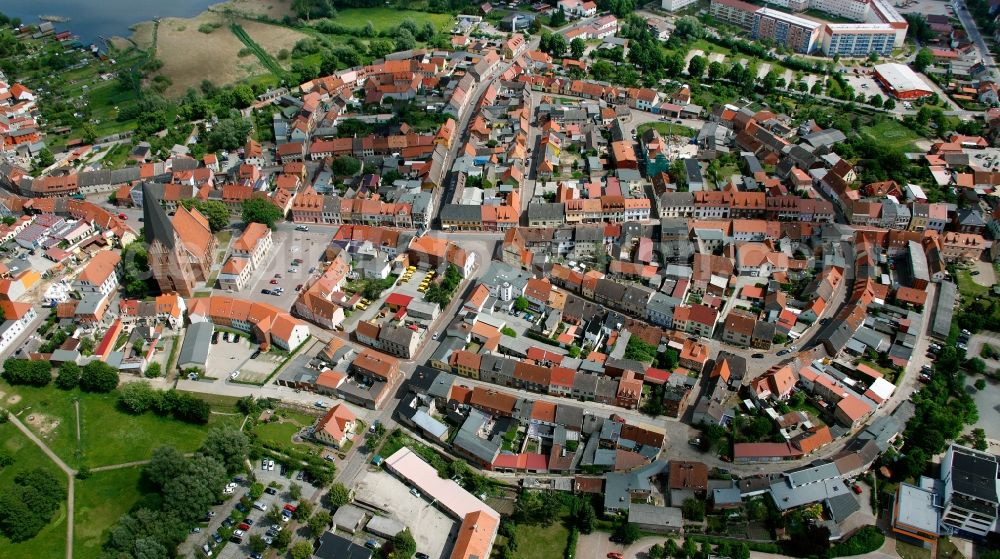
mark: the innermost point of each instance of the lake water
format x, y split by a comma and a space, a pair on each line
93, 18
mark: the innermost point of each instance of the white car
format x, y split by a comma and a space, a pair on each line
238, 533
234, 375
270, 465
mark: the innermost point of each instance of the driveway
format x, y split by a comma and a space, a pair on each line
987, 275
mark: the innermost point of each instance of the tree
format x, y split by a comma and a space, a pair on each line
558, 18
577, 47
345, 166
69, 376
153, 371
521, 304
557, 45
303, 511
716, 70
693, 509
688, 27
401, 546
980, 384
319, 522
228, 134
690, 549
137, 397
301, 550
98, 376
27, 505
670, 548
585, 516
627, 532
339, 495
23, 371
295, 490
889, 104
405, 40
45, 158
257, 544
256, 490
259, 210
164, 464
283, 538
976, 366
656, 552
923, 59
274, 514
696, 66
378, 48
189, 493
215, 211
229, 446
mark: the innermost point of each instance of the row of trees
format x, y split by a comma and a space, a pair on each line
140, 397
95, 376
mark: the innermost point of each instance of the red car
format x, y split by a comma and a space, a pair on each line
274, 282
244, 526
856, 488
615, 555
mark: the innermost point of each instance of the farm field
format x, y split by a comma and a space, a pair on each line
100, 501
50, 543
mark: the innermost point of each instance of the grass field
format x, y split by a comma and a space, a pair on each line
277, 432
50, 543
541, 542
969, 288
107, 435
100, 501
892, 134
666, 129
908, 551
384, 19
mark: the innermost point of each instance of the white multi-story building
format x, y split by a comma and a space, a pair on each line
100, 275
675, 5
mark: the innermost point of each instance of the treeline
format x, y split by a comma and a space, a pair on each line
139, 397
95, 376
182, 491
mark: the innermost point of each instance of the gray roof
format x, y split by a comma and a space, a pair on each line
727, 496
650, 515
618, 486
945, 309
423, 420
469, 440
812, 474
974, 473
461, 212
384, 526
348, 517
842, 505
546, 211
197, 342
915, 507
156, 224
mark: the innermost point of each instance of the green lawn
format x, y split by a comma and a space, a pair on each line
946, 550
908, 551
50, 543
969, 288
541, 542
666, 129
891, 133
108, 436
277, 432
384, 19
100, 501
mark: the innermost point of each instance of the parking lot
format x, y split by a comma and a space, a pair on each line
227, 357
288, 245
260, 524
433, 530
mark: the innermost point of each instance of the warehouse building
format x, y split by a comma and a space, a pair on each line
901, 82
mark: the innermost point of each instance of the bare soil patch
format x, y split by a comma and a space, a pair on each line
42, 423
190, 56
14, 398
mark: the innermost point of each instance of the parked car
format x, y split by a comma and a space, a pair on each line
274, 282
784, 352
373, 544
270, 465
265, 291
856, 488
271, 491
757, 356
236, 539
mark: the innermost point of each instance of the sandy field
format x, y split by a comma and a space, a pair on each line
190, 56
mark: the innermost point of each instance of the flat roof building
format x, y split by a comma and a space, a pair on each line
901, 82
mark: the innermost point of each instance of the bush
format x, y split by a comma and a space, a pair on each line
69, 376
23, 371
865, 540
98, 376
153, 371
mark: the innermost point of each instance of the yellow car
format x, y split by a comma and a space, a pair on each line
411, 269
362, 307
365, 301
431, 273
422, 289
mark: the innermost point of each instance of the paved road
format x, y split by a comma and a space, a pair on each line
70, 474
962, 11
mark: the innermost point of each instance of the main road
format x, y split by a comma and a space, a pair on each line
962, 11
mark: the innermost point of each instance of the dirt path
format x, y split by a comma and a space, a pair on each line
76, 406
120, 466
70, 474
